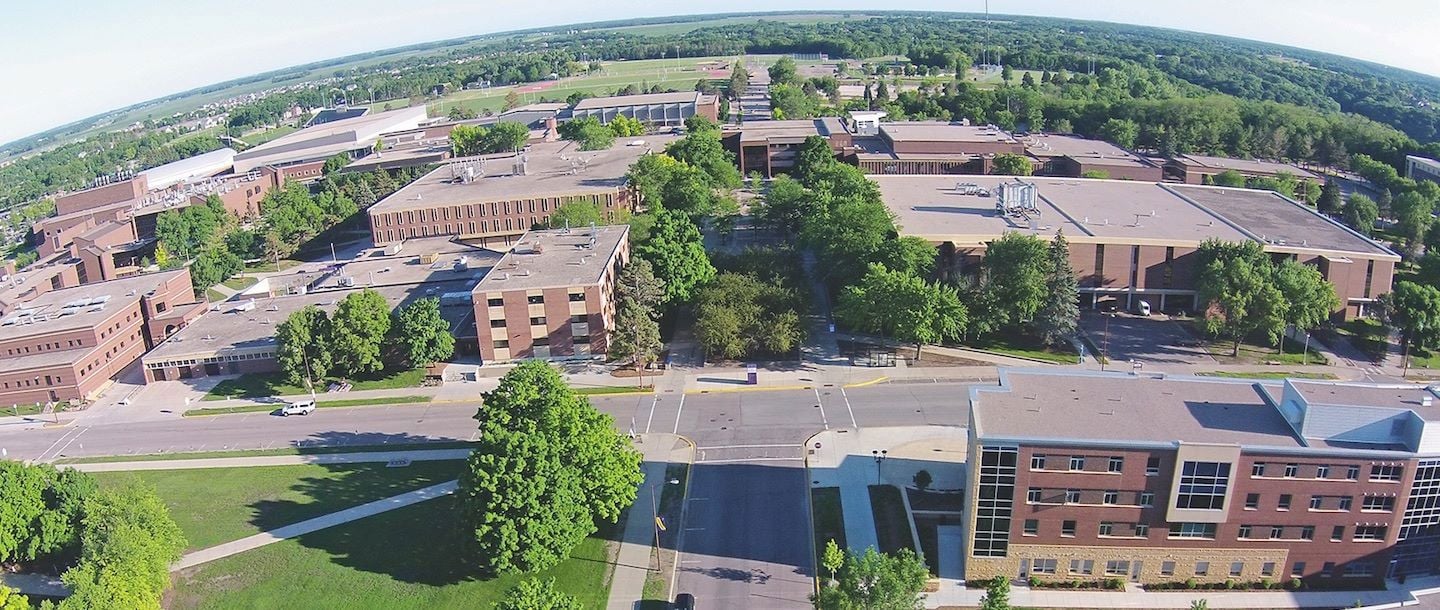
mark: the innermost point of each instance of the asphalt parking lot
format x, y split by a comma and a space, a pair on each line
1149, 340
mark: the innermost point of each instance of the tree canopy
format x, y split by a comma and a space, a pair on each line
1235, 282
535, 594
588, 132
902, 306
675, 251
357, 333
128, 542
302, 340
419, 335
547, 465
877, 581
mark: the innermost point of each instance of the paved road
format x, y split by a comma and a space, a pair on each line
745, 538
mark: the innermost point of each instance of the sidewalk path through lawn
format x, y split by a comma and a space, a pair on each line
359, 457
307, 526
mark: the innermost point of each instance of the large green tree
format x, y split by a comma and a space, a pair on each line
677, 254
1329, 201
1016, 268
1238, 292
636, 336
877, 581
740, 315
546, 467
1413, 214
787, 205
357, 333
301, 341
1413, 310
10, 599
702, 149
575, 214
1010, 164
901, 306
1361, 212
128, 542
535, 594
419, 335
637, 281
40, 510
588, 132
1309, 299
1058, 318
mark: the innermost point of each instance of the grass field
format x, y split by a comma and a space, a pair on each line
892, 525
1253, 353
321, 404
827, 518
240, 282
256, 139
216, 505
406, 558
1367, 335
670, 29
1028, 349
200, 455
261, 385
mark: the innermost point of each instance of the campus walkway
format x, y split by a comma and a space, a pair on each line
307, 526
634, 560
359, 457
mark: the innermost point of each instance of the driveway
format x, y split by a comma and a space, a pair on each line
1152, 340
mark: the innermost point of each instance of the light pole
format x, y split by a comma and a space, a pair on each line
879, 457
1105, 346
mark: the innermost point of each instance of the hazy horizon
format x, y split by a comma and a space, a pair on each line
168, 46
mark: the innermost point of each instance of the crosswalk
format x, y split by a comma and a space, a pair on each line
723, 454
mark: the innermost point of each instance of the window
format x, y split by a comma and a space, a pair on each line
1237, 568
1322, 471
1252, 501
1378, 504
1328, 569
1082, 566
1370, 532
1244, 532
1142, 530
1067, 528
1284, 502
1297, 569
1147, 498
1043, 566
1267, 568
1072, 496
581, 339
502, 344
1077, 462
1277, 532
538, 299
580, 319
1037, 462
537, 321
1344, 503
1316, 501
1384, 473
497, 323
1117, 464
1032, 527
1352, 473
1257, 470
1307, 532
1111, 497
578, 297
540, 341
1291, 470
1337, 534
1032, 495
1359, 569
1192, 530
1107, 528
1117, 568
1152, 466
1202, 568
1167, 568
1203, 485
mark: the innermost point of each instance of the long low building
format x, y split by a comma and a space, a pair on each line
652, 109
1163, 479
494, 199
1134, 240
355, 136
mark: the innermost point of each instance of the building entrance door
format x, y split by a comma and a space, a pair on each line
1135, 568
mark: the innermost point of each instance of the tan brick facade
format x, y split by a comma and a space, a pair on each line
1142, 564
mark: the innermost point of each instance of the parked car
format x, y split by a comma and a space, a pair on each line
684, 601
300, 407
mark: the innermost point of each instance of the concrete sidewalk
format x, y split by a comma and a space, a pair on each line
311, 525
950, 596
634, 560
359, 457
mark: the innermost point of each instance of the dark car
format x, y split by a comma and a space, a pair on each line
684, 601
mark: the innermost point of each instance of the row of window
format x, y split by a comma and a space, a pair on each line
1378, 504
1036, 495
535, 299
1378, 472
1107, 528
181, 362
541, 321
1076, 463
497, 208
542, 342
1361, 533
1121, 567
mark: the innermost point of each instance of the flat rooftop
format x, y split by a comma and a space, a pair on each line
552, 258
1122, 408
936, 131
1244, 166
372, 267
1093, 152
1281, 222
792, 129
614, 101
1389, 396
553, 169
338, 135
79, 307
229, 329
933, 208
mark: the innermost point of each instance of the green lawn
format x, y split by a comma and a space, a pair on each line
1367, 335
892, 525
407, 558
21, 410
614, 390
1252, 352
827, 517
240, 283
261, 385
1267, 375
321, 404
215, 505
269, 266
200, 455
214, 296
1025, 348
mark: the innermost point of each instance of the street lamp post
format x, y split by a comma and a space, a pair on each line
1105, 347
879, 456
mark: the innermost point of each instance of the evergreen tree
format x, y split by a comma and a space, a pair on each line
1058, 317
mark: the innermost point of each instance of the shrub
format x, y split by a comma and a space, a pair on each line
1265, 583
1190, 583
1034, 582
1295, 584
1115, 584
1232, 584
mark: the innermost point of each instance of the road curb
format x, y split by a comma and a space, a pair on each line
866, 383
810, 512
777, 388
684, 503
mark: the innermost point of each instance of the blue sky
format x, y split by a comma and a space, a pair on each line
69, 59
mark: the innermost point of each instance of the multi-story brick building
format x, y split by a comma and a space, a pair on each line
494, 199
769, 147
931, 147
652, 109
552, 295
1156, 479
1132, 241
1196, 169
1074, 157
67, 344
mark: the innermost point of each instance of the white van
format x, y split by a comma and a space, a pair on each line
1143, 308
299, 407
